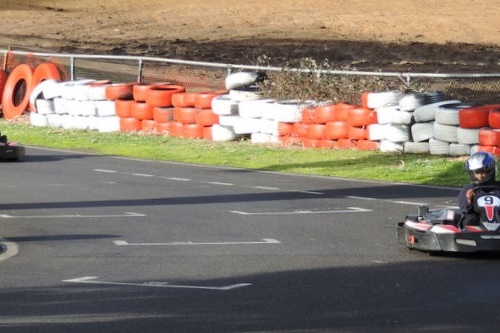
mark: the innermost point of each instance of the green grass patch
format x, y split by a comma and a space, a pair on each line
373, 165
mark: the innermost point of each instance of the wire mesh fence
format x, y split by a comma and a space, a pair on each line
481, 88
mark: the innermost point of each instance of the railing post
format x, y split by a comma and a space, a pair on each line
141, 66
72, 68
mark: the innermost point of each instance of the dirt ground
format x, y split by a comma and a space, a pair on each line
404, 35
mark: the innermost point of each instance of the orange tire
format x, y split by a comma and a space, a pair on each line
3, 80
120, 91
330, 144
494, 118
189, 99
324, 114
42, 72
490, 149
473, 117
178, 100
161, 114
163, 127
489, 137
130, 125
141, 110
193, 131
368, 145
341, 111
204, 100
207, 133
148, 125
359, 116
336, 130
357, 133
139, 91
344, 143
285, 129
301, 129
15, 97
123, 108
176, 128
316, 131
311, 143
206, 117
308, 116
289, 140
186, 115
161, 95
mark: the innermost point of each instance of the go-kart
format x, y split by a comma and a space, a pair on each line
441, 230
10, 151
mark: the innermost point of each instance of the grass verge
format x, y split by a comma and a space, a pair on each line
374, 165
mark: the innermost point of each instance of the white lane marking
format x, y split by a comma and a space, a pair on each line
105, 170
219, 183
126, 214
310, 192
299, 212
393, 201
264, 241
177, 179
268, 188
154, 284
142, 174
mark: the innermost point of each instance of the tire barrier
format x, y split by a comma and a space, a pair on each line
16, 94
390, 121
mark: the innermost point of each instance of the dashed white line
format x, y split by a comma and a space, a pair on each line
263, 241
300, 212
142, 174
105, 170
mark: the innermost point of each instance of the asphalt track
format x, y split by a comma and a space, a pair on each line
100, 243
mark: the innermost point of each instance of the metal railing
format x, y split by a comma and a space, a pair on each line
469, 87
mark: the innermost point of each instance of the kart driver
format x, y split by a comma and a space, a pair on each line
482, 169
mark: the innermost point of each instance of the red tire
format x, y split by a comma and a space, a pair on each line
42, 72
162, 115
178, 100
368, 145
193, 131
311, 143
139, 91
329, 144
316, 131
285, 129
489, 137
15, 97
185, 115
324, 114
142, 111
204, 100
206, 117
357, 133
301, 129
344, 143
359, 116
120, 91
161, 95
3, 80
494, 118
148, 125
473, 117
336, 130
308, 116
207, 133
163, 127
123, 108
176, 128
130, 125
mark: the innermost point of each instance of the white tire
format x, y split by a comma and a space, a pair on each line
446, 133
380, 99
397, 133
448, 114
410, 102
228, 120
246, 125
54, 120
105, 108
223, 133
45, 106
37, 92
240, 80
269, 126
411, 147
254, 108
38, 120
468, 136
427, 112
402, 118
60, 105
51, 89
289, 111
263, 138
252, 93
223, 105
438, 147
376, 132
391, 147
422, 131
459, 149
97, 93
107, 124
385, 115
